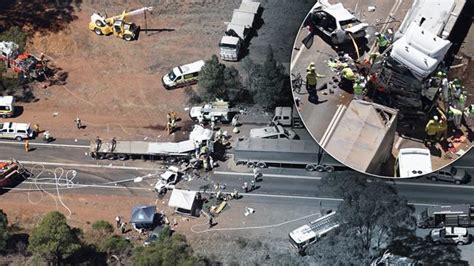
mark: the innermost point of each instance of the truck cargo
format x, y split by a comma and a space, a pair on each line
215, 111
239, 30
453, 215
123, 150
287, 117
284, 152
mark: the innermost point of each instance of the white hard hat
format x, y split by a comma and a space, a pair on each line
377, 33
435, 118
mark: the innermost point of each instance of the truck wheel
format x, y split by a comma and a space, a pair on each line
128, 37
319, 168
97, 31
310, 168
4, 116
18, 138
250, 164
100, 156
457, 182
122, 157
261, 165
329, 168
433, 178
460, 243
110, 156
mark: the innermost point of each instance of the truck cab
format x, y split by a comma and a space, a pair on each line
450, 174
7, 108
168, 180
183, 75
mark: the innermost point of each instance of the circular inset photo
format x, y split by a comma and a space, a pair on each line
385, 89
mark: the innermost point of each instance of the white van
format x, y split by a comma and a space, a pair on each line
7, 107
18, 131
413, 162
183, 75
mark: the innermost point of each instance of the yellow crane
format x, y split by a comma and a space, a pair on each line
116, 25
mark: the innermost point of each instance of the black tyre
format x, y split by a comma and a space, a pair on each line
329, 168
99, 23
128, 37
122, 157
460, 243
18, 138
100, 156
98, 31
111, 156
433, 178
319, 168
261, 165
457, 182
310, 168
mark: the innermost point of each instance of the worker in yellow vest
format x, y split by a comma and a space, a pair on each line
358, 90
431, 129
382, 42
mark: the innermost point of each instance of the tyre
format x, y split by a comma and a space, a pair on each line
460, 243
110, 156
310, 168
250, 164
433, 178
128, 37
4, 116
99, 23
100, 156
98, 31
261, 165
18, 138
319, 168
122, 157
329, 168
457, 182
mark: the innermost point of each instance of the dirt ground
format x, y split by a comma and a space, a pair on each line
115, 86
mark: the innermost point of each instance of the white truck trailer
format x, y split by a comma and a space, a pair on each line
239, 30
123, 150
216, 111
284, 152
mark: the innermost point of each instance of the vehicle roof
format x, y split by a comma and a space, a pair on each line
230, 40
283, 111
317, 227
414, 159
17, 126
6, 100
419, 50
191, 67
238, 29
339, 12
451, 230
453, 209
266, 131
360, 133
278, 145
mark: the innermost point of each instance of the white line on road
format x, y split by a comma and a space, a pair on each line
107, 166
46, 144
74, 186
297, 56
430, 185
270, 175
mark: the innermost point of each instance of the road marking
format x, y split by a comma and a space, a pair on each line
74, 186
46, 144
332, 125
297, 56
430, 185
86, 165
270, 175
317, 198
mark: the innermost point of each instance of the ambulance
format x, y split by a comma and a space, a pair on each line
7, 108
183, 75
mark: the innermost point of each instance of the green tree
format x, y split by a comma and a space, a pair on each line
102, 227
3, 231
16, 35
216, 81
53, 239
272, 84
114, 245
173, 250
372, 215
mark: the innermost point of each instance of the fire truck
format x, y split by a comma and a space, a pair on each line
25, 64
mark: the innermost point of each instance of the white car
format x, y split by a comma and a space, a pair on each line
335, 21
450, 235
273, 132
168, 180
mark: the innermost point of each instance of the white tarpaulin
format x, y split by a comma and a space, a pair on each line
182, 199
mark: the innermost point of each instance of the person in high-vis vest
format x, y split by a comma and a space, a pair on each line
431, 129
382, 42
457, 116
461, 101
469, 115
311, 83
358, 90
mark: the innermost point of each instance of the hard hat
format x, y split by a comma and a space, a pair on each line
435, 118
312, 68
377, 33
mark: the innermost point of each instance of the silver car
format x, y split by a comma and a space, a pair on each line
450, 235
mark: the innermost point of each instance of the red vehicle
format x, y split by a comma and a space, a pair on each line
25, 64
10, 174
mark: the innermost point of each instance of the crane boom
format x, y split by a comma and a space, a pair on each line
133, 12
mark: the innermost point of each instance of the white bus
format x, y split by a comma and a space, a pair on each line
310, 233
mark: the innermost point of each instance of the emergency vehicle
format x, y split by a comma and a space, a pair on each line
17, 131
7, 108
183, 75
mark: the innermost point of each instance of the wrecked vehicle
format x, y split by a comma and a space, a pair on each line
168, 180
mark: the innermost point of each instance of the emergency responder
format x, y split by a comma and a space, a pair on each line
442, 132
235, 121
252, 185
98, 143
431, 129
382, 42
245, 187
256, 173
78, 123
311, 84
27, 145
36, 128
211, 222
347, 78
457, 115
358, 90
47, 136
461, 102
114, 144
469, 115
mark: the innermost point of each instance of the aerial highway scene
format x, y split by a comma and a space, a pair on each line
145, 132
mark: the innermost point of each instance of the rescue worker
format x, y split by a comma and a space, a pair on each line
469, 115
443, 127
457, 115
358, 90
78, 123
114, 144
211, 222
461, 102
431, 130
382, 42
118, 221
256, 173
252, 185
373, 57
36, 128
235, 121
347, 79
245, 187
47, 136
27, 145
98, 143
311, 83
